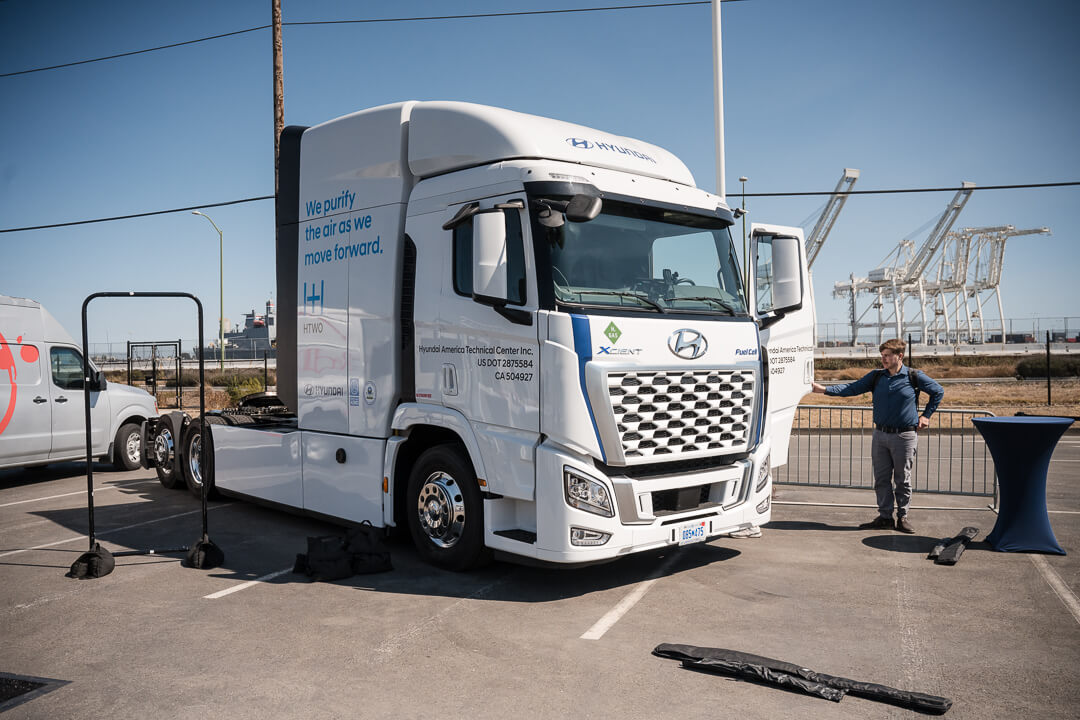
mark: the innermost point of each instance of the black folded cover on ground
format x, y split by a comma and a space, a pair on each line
789, 675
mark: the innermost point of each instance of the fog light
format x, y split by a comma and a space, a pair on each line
587, 494
582, 536
763, 506
762, 475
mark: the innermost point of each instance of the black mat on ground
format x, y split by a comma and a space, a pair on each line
785, 674
17, 689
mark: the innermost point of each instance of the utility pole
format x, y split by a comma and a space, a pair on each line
279, 89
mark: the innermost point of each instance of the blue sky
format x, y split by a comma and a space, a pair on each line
914, 93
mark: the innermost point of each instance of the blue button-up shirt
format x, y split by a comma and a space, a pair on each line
894, 398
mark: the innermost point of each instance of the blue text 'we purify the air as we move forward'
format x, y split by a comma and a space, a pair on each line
343, 252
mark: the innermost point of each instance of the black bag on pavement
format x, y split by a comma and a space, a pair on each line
333, 557
366, 545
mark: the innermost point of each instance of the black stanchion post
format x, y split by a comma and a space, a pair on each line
266, 375
98, 561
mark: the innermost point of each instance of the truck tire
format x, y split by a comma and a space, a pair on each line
126, 454
445, 509
190, 462
164, 450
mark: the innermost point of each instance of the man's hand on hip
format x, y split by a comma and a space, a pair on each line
924, 422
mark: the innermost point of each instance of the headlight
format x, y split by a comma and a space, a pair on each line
762, 475
587, 494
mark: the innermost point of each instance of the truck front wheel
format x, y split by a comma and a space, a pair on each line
445, 509
126, 454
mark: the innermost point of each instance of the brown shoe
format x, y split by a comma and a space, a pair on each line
904, 526
878, 523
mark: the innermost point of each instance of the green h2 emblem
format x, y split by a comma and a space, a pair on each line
613, 333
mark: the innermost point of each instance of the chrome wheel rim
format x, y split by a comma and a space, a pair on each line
441, 510
163, 449
194, 452
131, 447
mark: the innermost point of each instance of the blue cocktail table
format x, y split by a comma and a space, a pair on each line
1021, 448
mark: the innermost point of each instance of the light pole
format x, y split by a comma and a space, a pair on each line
746, 258
221, 278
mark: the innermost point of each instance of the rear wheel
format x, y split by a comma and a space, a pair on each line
126, 453
191, 458
164, 450
445, 509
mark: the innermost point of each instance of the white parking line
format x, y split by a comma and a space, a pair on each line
109, 532
615, 614
78, 492
1072, 604
243, 586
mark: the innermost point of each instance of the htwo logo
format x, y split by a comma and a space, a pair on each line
310, 300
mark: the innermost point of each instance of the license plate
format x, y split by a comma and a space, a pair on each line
691, 532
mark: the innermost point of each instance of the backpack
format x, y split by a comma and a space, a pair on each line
912, 372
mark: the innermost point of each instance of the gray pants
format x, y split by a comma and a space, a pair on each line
893, 455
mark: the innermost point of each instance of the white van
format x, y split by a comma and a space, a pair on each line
42, 411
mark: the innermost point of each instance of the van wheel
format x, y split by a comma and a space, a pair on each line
126, 455
190, 458
164, 449
445, 509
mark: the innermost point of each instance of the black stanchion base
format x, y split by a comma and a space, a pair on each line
204, 554
93, 564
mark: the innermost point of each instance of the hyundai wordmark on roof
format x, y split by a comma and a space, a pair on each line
512, 334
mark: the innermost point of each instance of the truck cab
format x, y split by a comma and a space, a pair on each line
42, 407
518, 335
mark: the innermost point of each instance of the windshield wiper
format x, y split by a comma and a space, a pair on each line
704, 298
623, 293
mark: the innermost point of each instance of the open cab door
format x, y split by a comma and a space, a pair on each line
783, 302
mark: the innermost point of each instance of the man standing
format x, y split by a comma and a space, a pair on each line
896, 426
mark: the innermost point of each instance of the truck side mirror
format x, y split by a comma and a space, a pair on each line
583, 208
97, 381
778, 274
489, 258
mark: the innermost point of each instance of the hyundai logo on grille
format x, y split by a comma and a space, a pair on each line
687, 344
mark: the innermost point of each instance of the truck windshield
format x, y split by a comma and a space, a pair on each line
646, 259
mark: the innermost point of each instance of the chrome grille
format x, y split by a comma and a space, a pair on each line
669, 414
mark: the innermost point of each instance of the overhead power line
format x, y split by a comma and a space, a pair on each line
137, 215
773, 194
134, 52
365, 20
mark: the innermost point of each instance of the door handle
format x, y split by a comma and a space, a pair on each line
61, 399
40, 400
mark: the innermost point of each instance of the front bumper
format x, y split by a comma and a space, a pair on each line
649, 512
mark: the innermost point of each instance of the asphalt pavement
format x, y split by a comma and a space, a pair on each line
998, 633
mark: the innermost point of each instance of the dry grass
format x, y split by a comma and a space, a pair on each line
215, 400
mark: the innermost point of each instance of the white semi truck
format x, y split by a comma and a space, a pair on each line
42, 407
519, 335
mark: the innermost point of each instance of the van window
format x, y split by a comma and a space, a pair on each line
22, 365
67, 368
